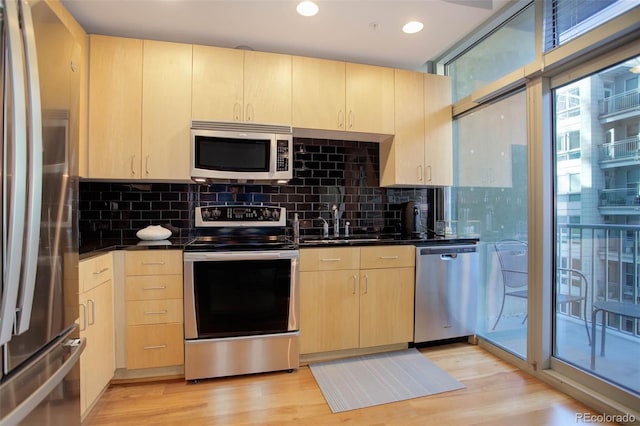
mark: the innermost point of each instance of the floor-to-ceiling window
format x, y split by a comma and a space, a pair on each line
597, 224
580, 239
491, 203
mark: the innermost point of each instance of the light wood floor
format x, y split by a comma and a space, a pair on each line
496, 393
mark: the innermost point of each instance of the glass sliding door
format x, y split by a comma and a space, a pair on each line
596, 315
490, 202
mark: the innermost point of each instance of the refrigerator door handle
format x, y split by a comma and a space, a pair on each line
34, 179
29, 404
16, 166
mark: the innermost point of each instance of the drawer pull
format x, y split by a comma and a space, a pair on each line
157, 312
389, 257
331, 259
154, 263
162, 287
101, 271
154, 347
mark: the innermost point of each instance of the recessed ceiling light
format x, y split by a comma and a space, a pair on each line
635, 70
307, 8
412, 27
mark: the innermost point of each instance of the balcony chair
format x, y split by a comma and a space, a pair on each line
513, 258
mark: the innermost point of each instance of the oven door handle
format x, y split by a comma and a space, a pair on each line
241, 255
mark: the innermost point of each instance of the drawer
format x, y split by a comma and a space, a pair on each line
153, 262
159, 345
375, 257
329, 259
95, 271
154, 311
152, 287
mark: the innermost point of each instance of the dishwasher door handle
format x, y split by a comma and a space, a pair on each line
449, 256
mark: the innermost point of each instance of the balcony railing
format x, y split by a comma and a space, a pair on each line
609, 256
623, 149
621, 102
622, 197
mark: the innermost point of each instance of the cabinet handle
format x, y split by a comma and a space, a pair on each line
133, 170
101, 271
249, 116
237, 109
351, 116
429, 174
83, 326
366, 284
156, 262
146, 164
154, 347
93, 312
157, 312
389, 257
331, 259
420, 173
162, 287
340, 119
355, 281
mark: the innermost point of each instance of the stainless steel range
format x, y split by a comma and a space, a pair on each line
241, 301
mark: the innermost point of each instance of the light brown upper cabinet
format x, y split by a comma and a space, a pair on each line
333, 95
370, 99
115, 107
139, 109
438, 130
241, 85
402, 159
421, 152
166, 111
318, 94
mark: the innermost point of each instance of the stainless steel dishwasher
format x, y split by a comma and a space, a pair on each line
446, 291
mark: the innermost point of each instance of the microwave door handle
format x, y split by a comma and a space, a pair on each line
35, 168
16, 165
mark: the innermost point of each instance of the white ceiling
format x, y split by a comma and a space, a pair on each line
360, 31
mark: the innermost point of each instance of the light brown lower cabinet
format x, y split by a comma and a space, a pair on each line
153, 295
346, 307
97, 362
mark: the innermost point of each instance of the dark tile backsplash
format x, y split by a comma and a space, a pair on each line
326, 172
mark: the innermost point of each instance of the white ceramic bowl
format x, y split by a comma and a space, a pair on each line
153, 233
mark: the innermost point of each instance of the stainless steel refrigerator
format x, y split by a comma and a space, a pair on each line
39, 342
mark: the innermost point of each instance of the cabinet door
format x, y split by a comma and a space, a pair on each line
438, 130
318, 94
115, 107
402, 159
217, 87
328, 310
369, 99
166, 110
97, 362
386, 306
267, 88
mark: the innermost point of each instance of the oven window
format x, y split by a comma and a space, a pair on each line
232, 155
242, 298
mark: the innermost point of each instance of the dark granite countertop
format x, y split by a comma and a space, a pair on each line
373, 240
95, 247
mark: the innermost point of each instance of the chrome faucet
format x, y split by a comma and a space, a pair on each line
336, 221
325, 227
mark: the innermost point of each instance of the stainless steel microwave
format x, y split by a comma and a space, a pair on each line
241, 152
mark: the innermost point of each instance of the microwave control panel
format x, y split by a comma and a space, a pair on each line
282, 155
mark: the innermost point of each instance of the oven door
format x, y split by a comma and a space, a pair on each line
242, 293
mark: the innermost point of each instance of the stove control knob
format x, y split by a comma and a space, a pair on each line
276, 215
216, 213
